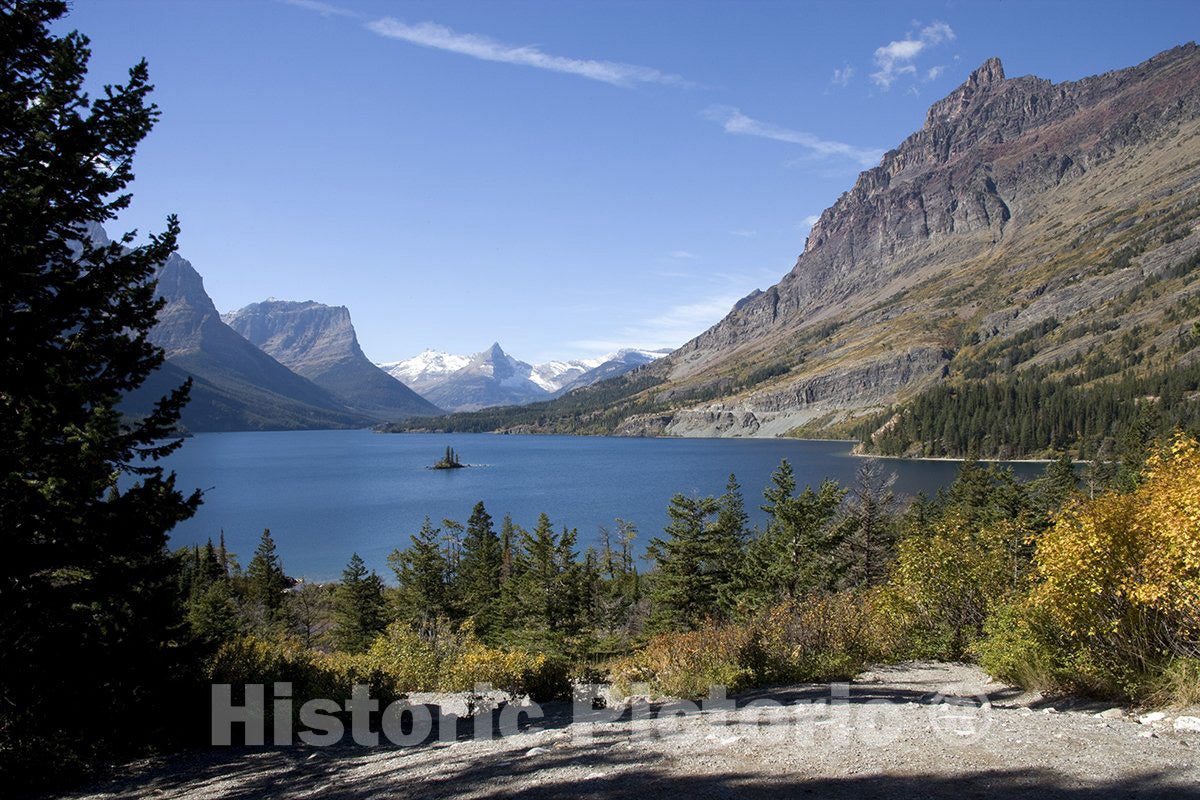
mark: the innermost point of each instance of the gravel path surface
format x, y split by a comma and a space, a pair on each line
919, 730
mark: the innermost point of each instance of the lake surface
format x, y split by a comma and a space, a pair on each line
328, 494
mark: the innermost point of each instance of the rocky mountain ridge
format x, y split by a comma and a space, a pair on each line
236, 386
1005, 208
319, 342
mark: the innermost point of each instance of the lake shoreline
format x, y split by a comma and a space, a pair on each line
732, 438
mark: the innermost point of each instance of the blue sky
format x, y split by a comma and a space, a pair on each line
563, 177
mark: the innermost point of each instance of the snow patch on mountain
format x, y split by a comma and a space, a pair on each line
425, 368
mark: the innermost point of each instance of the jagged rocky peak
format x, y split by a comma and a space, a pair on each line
989, 75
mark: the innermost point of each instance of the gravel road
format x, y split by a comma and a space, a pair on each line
917, 730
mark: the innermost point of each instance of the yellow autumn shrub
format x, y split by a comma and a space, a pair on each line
1115, 603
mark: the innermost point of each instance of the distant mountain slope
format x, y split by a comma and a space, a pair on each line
554, 375
237, 386
611, 366
319, 343
1019, 201
1027, 226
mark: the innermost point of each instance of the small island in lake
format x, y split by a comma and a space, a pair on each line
449, 461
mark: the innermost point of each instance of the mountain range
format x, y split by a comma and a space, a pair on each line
238, 385
1027, 228
495, 378
281, 364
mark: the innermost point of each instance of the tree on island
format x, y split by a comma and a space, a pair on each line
91, 625
449, 461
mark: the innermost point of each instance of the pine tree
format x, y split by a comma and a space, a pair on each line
310, 612
90, 616
1060, 477
212, 612
795, 555
210, 604
574, 587
539, 580
228, 562
617, 588
683, 593
360, 607
266, 581
508, 540
421, 573
869, 529
478, 582
452, 536
510, 605
727, 545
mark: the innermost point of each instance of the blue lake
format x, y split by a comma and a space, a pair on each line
327, 494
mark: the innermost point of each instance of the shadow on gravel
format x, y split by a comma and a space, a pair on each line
613, 768
299, 773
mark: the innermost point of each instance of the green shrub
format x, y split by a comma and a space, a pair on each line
1179, 684
943, 585
1018, 648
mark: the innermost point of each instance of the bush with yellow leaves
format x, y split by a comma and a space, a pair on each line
313, 674
455, 660
1114, 608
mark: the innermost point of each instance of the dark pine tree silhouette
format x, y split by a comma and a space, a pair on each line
91, 620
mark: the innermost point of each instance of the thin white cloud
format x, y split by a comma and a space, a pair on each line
682, 254
745, 233
671, 328
430, 34
842, 76
684, 321
324, 9
895, 58
734, 121
934, 73
810, 220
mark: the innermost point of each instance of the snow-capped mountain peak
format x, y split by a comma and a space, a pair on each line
493, 377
